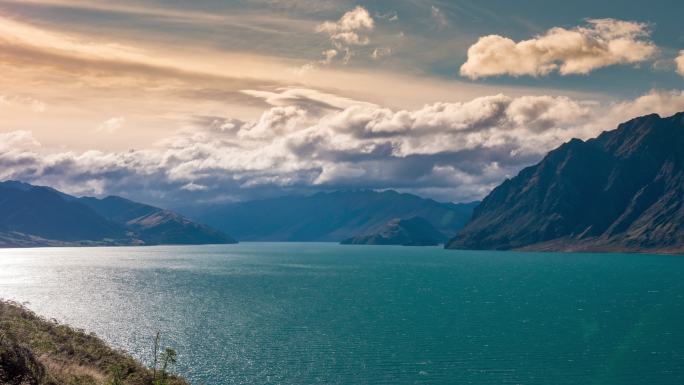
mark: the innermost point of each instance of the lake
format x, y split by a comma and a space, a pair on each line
316, 313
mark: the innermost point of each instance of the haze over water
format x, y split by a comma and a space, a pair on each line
289, 313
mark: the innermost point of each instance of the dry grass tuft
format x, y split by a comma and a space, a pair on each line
36, 351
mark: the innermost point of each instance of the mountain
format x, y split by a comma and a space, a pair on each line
44, 213
42, 216
621, 191
331, 216
414, 231
154, 225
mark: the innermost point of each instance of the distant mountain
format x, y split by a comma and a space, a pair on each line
623, 190
332, 216
414, 231
42, 216
154, 225
44, 213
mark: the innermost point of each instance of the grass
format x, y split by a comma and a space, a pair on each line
36, 351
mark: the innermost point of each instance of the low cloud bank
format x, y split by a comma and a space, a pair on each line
308, 140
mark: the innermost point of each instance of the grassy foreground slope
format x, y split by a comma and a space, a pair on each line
35, 351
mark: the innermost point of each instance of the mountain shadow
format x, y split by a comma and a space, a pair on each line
42, 216
621, 191
327, 216
414, 231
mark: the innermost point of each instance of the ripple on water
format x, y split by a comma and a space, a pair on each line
331, 314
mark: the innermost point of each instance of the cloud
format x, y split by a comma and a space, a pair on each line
389, 16
660, 102
192, 186
76, 77
31, 103
680, 63
347, 32
580, 50
329, 55
273, 22
450, 151
277, 121
438, 17
312, 99
19, 140
33, 41
381, 52
97, 62
111, 125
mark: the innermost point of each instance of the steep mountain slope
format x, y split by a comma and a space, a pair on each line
154, 225
414, 231
330, 216
38, 351
44, 213
623, 190
42, 216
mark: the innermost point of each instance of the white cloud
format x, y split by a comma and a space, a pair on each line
335, 172
347, 32
17, 141
580, 50
192, 186
329, 55
277, 121
455, 150
111, 125
381, 52
680, 63
304, 96
664, 103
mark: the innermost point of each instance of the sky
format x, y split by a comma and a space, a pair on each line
176, 102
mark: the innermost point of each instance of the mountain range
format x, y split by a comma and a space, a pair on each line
327, 216
42, 216
621, 191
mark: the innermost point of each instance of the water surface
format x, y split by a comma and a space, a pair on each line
292, 313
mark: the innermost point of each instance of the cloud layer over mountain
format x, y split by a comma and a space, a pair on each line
270, 97
312, 140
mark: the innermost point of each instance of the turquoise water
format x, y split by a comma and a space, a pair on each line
274, 313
